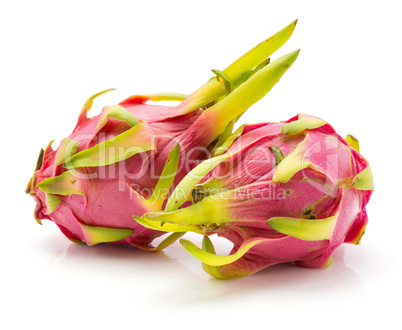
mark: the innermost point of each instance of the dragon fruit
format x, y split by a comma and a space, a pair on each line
126, 160
280, 192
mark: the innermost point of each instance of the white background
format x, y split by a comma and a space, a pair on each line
56, 54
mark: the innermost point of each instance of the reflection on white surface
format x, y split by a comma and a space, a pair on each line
49, 279
179, 278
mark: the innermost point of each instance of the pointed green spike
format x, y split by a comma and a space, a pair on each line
278, 154
285, 172
228, 143
222, 113
215, 260
212, 90
262, 64
135, 140
291, 164
211, 209
251, 91
95, 235
66, 149
88, 104
305, 229
39, 162
214, 271
167, 96
162, 245
207, 245
222, 76
168, 241
116, 112
353, 142
304, 122
186, 186
208, 93
167, 227
165, 180
260, 52
31, 184
52, 202
364, 180
64, 184
37, 208
224, 136
143, 222
246, 75
48, 150
29, 187
142, 98
243, 78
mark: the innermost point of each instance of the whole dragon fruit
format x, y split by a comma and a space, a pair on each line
126, 160
281, 192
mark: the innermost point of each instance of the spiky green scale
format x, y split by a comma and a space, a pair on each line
228, 142
278, 154
208, 247
123, 146
89, 102
260, 52
65, 184
304, 122
95, 235
116, 112
353, 142
52, 202
212, 259
364, 180
248, 93
305, 229
66, 149
222, 76
166, 179
213, 89
185, 187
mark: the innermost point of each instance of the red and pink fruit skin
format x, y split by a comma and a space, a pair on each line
94, 202
315, 180
115, 193
336, 192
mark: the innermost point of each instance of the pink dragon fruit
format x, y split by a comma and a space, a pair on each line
126, 160
281, 192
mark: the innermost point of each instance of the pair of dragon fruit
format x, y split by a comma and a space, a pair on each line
291, 191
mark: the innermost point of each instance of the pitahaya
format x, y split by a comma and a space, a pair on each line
281, 192
126, 160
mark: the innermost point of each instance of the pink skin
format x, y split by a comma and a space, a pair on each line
112, 196
122, 187
282, 248
310, 194
255, 161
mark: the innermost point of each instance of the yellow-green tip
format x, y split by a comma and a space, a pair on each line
364, 180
